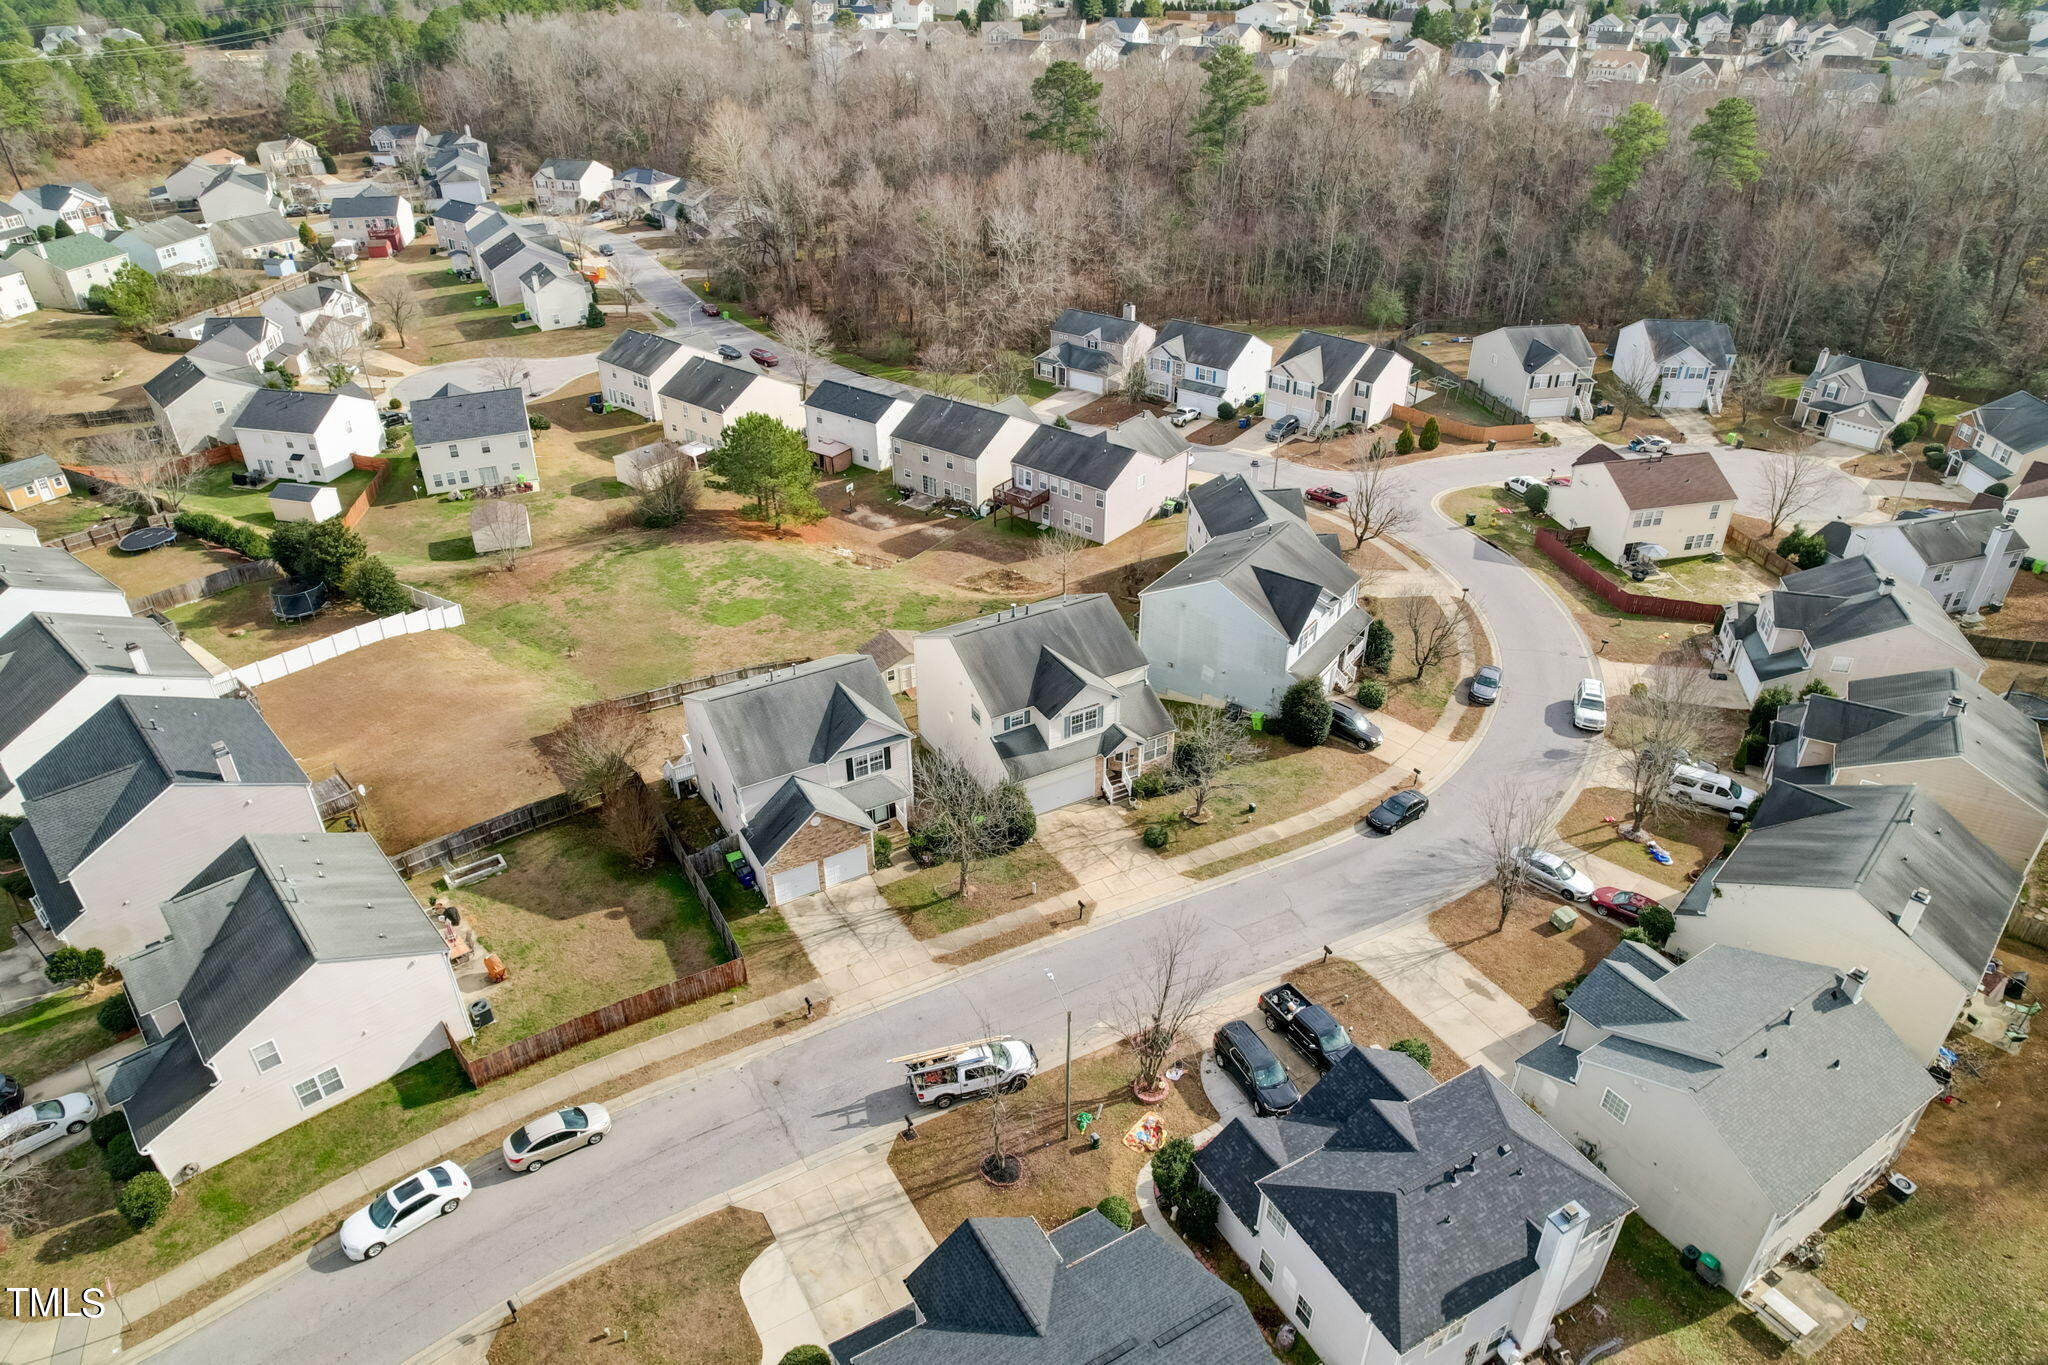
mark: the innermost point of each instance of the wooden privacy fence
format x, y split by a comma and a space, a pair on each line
193, 463
584, 1028
104, 533
1758, 553
360, 508
672, 694
206, 585
695, 876
107, 417
1463, 431
2005, 647
2029, 926
453, 848
429, 613
1618, 597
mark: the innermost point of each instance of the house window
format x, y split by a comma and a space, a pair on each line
1275, 1219
1694, 544
1266, 1265
1016, 720
265, 1056
867, 764
1085, 722
219, 406
1714, 512
320, 1087
1156, 749
454, 452
1653, 518
1442, 1335
1615, 1105
1303, 1313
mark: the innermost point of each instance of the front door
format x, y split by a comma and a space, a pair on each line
488, 476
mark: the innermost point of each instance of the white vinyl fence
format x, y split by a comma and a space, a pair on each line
429, 613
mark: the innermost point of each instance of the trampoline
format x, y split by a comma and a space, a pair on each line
148, 538
297, 601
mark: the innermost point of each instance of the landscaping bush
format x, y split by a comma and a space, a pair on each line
372, 584
1148, 786
68, 966
116, 1015
144, 1199
1804, 548
1019, 820
1379, 646
1198, 1209
1537, 498
229, 535
1416, 1049
1158, 834
1405, 443
536, 422
1081, 1212
8, 824
16, 884
324, 552
121, 1159
1816, 688
1634, 934
1372, 693
1305, 713
1936, 458
1431, 436
1765, 708
1997, 490
924, 846
806, 1355
1062, 423
885, 849
595, 317
107, 1127
1117, 1210
1171, 1167
1658, 924
1226, 412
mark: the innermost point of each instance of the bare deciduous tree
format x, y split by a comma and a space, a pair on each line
401, 307
806, 340
149, 473
632, 822
1634, 392
1379, 503
506, 371
964, 814
1172, 979
1749, 384
1659, 727
24, 1192
1433, 635
1059, 552
1514, 819
671, 492
598, 749
1132, 386
502, 525
1208, 748
1791, 484
24, 422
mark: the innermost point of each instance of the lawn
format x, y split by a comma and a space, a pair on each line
995, 886
1528, 959
215, 492
1691, 838
75, 362
681, 1287
238, 626
1286, 782
65, 515
1370, 1013
42, 1039
139, 575
1418, 698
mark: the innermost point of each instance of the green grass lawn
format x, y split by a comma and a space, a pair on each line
63, 516
214, 492
1288, 781
42, 1039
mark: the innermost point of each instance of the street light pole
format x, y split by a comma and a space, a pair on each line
1066, 1072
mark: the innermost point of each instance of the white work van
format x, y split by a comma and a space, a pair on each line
946, 1074
1715, 791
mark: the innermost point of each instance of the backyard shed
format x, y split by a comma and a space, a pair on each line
639, 468
498, 524
37, 479
305, 502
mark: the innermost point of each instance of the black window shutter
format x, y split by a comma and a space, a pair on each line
849, 770
888, 758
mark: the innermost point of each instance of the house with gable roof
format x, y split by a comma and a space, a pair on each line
568, 185
1542, 372
1676, 363
1857, 402
1093, 351
1965, 560
1331, 381
633, 368
1098, 486
1680, 500
36, 578
846, 419
1193, 365
1999, 442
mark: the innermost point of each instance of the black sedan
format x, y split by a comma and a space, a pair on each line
1397, 810
1241, 1052
1484, 689
726, 351
10, 1095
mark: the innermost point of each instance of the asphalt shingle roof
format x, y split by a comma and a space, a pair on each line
1672, 336
638, 352
850, 400
1092, 461
1324, 360
1080, 322
776, 724
21, 473
948, 424
254, 230
1231, 503
46, 656
1538, 346
293, 410
1890, 381
2020, 420
1215, 348
709, 384
457, 416
49, 570
1279, 570
80, 250
1680, 479
1003, 652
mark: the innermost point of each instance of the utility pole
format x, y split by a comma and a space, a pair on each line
1067, 1075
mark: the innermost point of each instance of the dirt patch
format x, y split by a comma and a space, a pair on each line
1111, 409
1527, 959
1005, 581
2025, 613
1594, 822
1213, 433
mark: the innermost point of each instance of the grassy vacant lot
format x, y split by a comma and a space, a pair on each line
75, 362
1286, 782
1506, 523
940, 1171
1528, 959
995, 886
684, 1287
452, 325
1369, 1011
42, 1039
1692, 839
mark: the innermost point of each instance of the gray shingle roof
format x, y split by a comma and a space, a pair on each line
1848, 600
1671, 336
21, 473
185, 374
793, 804
1325, 360
1889, 380
294, 410
49, 570
157, 1086
708, 384
1423, 1200
1216, 348
164, 232
298, 492
1795, 1079
1538, 346
951, 425
1080, 322
254, 230
1093, 461
1003, 651
461, 416
565, 168
365, 206
2020, 420
777, 724
638, 352
850, 400
1231, 503
46, 656
1279, 570
1000, 1291
1949, 537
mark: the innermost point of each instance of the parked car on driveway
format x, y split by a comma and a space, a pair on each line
1589, 705
1649, 445
1520, 485
1484, 689
404, 1209
37, 1126
727, 351
1283, 428
1555, 875
541, 1140
764, 357
1348, 721
1328, 497
1306, 1024
1180, 417
1626, 906
1244, 1056
1712, 789
1402, 808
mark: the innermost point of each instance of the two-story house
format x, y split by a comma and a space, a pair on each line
1229, 503
1843, 621
845, 419
289, 158
565, 185
307, 435
81, 207
182, 187
1398, 1220
196, 402
1679, 501
637, 189
63, 273
1096, 487
324, 317
1968, 748
956, 451
705, 396
1542, 372
391, 142
140, 796
631, 371
236, 192
17, 295
1196, 366
40, 578
1857, 402
804, 765
373, 216
177, 245
1329, 381
1676, 363
1999, 442
1052, 695
474, 440
298, 972
554, 296
1623, 65
1093, 351
503, 258
256, 238
1252, 613
58, 669
1740, 1099
1965, 560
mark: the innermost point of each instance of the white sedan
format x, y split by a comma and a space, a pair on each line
36, 1126
404, 1209
1555, 875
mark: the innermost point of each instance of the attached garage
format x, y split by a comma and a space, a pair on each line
797, 881
1547, 406
1063, 788
848, 866
1854, 434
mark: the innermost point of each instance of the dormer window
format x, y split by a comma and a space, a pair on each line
1084, 722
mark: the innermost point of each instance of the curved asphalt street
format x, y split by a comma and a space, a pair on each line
833, 1081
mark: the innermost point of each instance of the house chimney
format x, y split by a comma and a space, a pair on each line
1849, 985
225, 761
1886, 584
1956, 705
1916, 906
1130, 312
1988, 577
138, 662
1555, 1250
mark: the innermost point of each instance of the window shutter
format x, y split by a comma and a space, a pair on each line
849, 770
888, 758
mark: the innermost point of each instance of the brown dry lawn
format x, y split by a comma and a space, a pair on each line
139, 575
1369, 1011
453, 327
238, 627
995, 886
1528, 959
1419, 701
1286, 782
1595, 819
683, 1287
940, 1171
2025, 613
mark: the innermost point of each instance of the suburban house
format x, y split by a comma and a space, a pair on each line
1093, 351
1096, 487
32, 482
891, 651
58, 669
453, 221
1004, 1289
555, 296
706, 395
1857, 402
1740, 1099
563, 185
1963, 745
195, 402
1252, 613
1676, 363
239, 339
633, 368
235, 192
289, 158
1881, 878
637, 189
457, 167
390, 141
1051, 696
474, 440
1771, 30
16, 534
307, 435
1541, 372
182, 187
503, 258
63, 272
2000, 442
298, 972
957, 451
1681, 502
1395, 1219
325, 316
1843, 621
1329, 381
803, 765
78, 205
174, 244
1625, 65
37, 578
1194, 366
140, 796
17, 296
259, 237
371, 217
1230, 503
1965, 560
845, 419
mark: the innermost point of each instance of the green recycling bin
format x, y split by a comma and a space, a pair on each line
1471, 518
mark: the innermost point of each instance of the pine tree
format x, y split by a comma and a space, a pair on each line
1233, 90
1637, 137
305, 114
1406, 444
768, 464
1067, 119
1726, 141
1431, 436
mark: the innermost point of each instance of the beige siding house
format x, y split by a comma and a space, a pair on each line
705, 395
1681, 502
956, 451
1097, 487
1542, 372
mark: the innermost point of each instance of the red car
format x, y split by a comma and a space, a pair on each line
765, 357
1328, 497
1626, 906
709, 310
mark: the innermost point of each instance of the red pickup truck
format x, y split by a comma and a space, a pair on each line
1328, 497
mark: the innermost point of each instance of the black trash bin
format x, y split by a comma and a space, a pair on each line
1471, 518
1855, 1208
1689, 1258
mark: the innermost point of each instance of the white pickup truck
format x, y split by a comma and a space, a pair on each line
943, 1075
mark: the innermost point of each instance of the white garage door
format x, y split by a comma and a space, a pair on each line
1551, 407
848, 866
1062, 789
798, 881
1855, 434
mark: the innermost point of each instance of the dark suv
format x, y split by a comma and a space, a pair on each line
1241, 1052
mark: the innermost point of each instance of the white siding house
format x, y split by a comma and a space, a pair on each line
307, 436
633, 368
1328, 381
1196, 366
174, 244
706, 395
474, 440
563, 185
38, 578
1676, 363
1543, 372
861, 422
